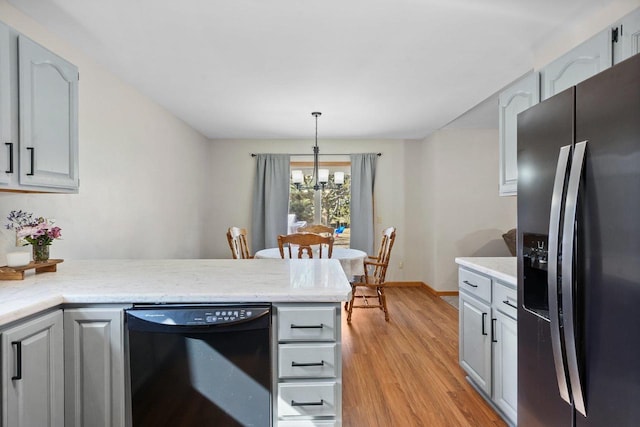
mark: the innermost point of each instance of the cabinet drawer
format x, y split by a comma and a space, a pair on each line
505, 299
307, 361
307, 323
307, 423
307, 399
475, 284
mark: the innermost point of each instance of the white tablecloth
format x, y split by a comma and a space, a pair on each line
350, 259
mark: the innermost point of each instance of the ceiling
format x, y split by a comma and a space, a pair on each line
258, 68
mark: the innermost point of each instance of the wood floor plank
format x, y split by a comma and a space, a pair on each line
405, 372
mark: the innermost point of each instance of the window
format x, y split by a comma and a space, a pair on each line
329, 207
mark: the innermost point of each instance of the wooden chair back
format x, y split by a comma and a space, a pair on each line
304, 242
378, 269
375, 272
237, 238
317, 229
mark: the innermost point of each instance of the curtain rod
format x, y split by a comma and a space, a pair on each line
311, 154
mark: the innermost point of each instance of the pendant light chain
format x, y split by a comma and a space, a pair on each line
316, 152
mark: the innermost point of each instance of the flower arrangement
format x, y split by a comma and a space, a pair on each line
39, 232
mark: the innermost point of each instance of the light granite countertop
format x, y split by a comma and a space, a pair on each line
502, 268
174, 281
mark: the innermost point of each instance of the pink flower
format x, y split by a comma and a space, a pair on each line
55, 233
27, 231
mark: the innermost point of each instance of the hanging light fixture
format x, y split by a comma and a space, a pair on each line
321, 176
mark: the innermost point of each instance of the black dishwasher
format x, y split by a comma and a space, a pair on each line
200, 365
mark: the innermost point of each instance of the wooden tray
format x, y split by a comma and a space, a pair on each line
17, 273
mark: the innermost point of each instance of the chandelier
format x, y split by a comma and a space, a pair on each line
321, 176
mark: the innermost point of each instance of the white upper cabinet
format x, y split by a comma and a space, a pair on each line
626, 37
521, 95
7, 150
48, 118
586, 60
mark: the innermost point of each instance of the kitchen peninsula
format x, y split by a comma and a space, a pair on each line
89, 299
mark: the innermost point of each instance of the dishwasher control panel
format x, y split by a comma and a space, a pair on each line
197, 315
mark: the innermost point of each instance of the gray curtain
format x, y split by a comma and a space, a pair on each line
363, 173
270, 200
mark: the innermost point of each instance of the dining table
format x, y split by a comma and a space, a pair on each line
352, 260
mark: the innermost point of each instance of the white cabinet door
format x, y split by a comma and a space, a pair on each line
521, 95
582, 62
48, 118
505, 364
7, 150
627, 39
94, 367
475, 341
32, 373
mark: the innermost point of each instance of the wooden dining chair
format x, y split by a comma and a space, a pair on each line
317, 229
237, 238
303, 242
373, 282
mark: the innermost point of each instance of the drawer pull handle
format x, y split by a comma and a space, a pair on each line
10, 147
18, 375
469, 283
320, 326
296, 364
320, 403
509, 304
484, 317
31, 160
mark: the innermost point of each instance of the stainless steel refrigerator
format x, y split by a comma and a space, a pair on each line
579, 254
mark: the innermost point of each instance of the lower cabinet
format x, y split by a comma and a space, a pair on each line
488, 339
475, 342
94, 367
33, 373
505, 365
308, 363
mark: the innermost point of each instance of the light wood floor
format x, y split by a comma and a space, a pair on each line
405, 372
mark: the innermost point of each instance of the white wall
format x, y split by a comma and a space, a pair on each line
233, 174
463, 214
142, 171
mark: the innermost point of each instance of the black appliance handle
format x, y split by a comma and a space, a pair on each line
10, 147
552, 272
568, 262
18, 375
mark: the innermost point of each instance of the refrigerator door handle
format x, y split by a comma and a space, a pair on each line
552, 272
568, 297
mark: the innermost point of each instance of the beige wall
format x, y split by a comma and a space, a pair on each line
142, 171
466, 217
233, 172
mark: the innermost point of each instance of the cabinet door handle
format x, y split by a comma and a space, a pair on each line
509, 304
484, 317
31, 160
320, 326
296, 364
10, 146
493, 330
320, 403
18, 375
469, 283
